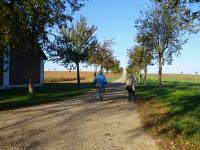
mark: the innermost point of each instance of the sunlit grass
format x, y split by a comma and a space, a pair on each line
179, 99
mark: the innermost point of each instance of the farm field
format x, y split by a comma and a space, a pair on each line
172, 113
66, 76
176, 78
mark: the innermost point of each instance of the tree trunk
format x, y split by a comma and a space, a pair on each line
95, 74
31, 70
160, 72
107, 72
33, 36
31, 86
139, 78
95, 71
101, 68
78, 75
145, 75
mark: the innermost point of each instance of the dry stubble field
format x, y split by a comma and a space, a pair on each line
66, 76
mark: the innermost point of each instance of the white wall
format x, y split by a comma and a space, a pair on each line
41, 70
6, 69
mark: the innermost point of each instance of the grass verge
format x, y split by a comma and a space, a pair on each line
51, 92
172, 113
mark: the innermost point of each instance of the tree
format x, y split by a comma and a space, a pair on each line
139, 58
188, 13
135, 61
101, 56
146, 52
108, 63
32, 20
21, 18
166, 29
106, 53
115, 68
94, 58
74, 46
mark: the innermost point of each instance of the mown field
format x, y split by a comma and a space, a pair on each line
172, 113
176, 78
66, 76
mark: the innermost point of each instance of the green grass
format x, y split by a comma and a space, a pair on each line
180, 98
114, 78
50, 92
16, 98
176, 78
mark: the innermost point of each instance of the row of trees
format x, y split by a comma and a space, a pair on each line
162, 30
139, 58
33, 21
103, 58
37, 21
78, 44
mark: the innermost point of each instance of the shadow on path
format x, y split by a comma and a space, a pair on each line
81, 123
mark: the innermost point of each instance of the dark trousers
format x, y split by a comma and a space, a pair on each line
100, 93
131, 95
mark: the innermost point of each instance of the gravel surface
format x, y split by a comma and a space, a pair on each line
81, 124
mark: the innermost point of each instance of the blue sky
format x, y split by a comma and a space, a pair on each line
115, 20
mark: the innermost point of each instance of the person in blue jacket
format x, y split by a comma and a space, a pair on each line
100, 81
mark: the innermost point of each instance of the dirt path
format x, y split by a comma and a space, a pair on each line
82, 124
